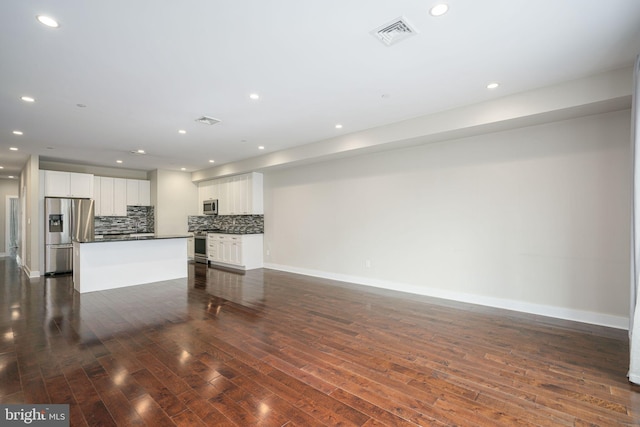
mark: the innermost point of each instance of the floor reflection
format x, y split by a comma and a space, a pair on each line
45, 317
245, 288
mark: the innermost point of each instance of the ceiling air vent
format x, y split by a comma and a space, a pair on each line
394, 31
207, 120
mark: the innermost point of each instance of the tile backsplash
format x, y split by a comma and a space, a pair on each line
139, 219
243, 224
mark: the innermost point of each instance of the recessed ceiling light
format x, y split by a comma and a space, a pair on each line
17, 132
439, 9
48, 21
27, 99
261, 147
212, 161
492, 85
338, 126
183, 169
13, 148
182, 131
11, 176
1, 167
254, 96
140, 152
118, 161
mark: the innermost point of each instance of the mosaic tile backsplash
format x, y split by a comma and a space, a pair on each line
234, 224
139, 219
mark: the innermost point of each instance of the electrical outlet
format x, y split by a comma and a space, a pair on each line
367, 263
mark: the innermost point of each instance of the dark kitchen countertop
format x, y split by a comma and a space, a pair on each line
129, 238
232, 232
235, 230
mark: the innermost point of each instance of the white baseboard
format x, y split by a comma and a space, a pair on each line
593, 318
30, 274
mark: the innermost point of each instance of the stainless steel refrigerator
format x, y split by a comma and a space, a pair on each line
65, 220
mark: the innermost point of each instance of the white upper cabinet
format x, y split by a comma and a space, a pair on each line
97, 196
237, 195
225, 198
113, 197
119, 197
144, 192
106, 197
206, 191
115, 194
68, 184
138, 192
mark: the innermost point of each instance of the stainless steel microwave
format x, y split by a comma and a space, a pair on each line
210, 207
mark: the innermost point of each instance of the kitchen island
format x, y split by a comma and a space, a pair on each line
109, 263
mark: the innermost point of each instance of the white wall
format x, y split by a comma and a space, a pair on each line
175, 197
534, 219
8, 187
30, 212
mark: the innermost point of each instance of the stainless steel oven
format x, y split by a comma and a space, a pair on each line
200, 247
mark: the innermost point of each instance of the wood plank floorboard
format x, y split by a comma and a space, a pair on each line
269, 348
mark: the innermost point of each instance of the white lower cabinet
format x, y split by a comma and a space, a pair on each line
243, 251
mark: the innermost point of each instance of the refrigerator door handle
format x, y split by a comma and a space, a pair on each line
61, 245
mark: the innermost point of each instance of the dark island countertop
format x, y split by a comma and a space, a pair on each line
129, 238
235, 232
229, 230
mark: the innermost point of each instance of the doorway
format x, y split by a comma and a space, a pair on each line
11, 227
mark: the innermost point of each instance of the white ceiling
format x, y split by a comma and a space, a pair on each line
147, 68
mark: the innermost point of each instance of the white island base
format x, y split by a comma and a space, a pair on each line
110, 264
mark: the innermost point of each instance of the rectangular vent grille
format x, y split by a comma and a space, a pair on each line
394, 31
207, 120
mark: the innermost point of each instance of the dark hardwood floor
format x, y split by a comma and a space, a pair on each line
271, 348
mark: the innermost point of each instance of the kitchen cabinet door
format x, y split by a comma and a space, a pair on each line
255, 194
138, 192
97, 198
56, 184
225, 201
113, 196
106, 196
144, 192
81, 185
235, 252
132, 192
240, 194
119, 197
